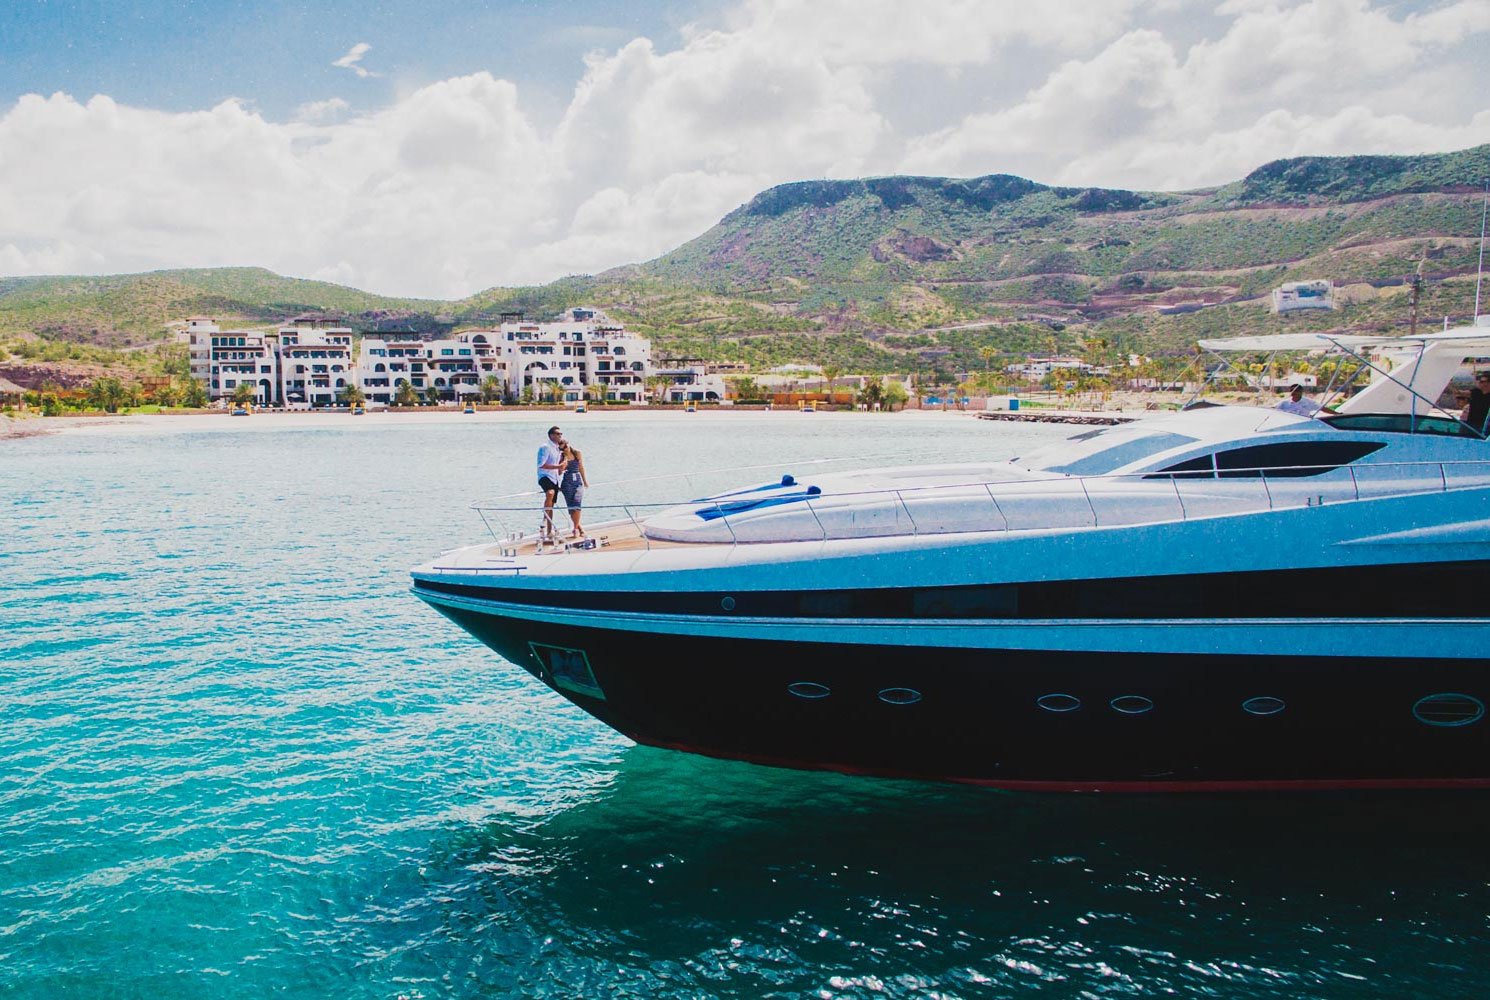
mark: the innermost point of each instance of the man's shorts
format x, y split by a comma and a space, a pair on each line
546, 484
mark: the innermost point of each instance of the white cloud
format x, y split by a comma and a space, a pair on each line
941, 32
1281, 80
52, 257
319, 111
453, 187
353, 57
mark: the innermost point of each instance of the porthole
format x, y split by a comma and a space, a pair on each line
728, 604
900, 696
1058, 702
1264, 705
1131, 704
1448, 709
809, 689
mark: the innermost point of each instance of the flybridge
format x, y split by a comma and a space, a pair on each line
1408, 374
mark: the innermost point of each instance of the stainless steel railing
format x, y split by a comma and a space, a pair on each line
1029, 502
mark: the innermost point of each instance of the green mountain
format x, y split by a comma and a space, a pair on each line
893, 273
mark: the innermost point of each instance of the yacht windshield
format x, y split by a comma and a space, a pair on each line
1097, 452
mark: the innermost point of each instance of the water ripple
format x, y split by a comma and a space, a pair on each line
238, 759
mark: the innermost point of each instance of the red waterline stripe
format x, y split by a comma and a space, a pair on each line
1018, 785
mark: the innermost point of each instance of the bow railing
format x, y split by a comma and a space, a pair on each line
1033, 501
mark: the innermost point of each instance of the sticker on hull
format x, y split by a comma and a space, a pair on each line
568, 669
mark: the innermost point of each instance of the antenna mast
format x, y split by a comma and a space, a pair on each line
1416, 284
1480, 276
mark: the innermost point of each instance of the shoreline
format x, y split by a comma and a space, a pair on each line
13, 428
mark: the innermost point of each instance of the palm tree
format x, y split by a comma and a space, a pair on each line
194, 395
432, 396
107, 394
353, 395
895, 394
831, 373
658, 385
244, 393
745, 388
406, 396
988, 354
491, 387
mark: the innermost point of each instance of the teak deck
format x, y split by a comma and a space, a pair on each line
615, 536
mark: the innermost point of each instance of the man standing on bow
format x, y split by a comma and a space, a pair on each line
550, 471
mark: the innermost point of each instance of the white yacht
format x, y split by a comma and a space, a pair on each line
1227, 597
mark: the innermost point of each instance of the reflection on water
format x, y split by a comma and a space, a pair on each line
689, 875
239, 759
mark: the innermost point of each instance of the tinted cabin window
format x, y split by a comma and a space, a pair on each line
1295, 458
1400, 423
1200, 467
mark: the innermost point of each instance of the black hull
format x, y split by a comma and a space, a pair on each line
1033, 719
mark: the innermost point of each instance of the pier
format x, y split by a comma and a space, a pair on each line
1057, 417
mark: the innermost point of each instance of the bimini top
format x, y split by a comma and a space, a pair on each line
1414, 373
1291, 342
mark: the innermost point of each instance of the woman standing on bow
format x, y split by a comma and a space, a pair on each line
573, 484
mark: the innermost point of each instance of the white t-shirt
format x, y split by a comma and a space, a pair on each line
550, 454
1305, 407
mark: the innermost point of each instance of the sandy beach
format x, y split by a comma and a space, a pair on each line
15, 427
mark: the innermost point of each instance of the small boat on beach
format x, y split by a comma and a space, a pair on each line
469, 408
1223, 598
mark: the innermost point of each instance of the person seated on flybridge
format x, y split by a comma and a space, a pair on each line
1477, 410
1298, 403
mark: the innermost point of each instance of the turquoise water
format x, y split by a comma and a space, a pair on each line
237, 759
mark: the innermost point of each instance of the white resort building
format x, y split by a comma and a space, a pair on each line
581, 348
315, 363
221, 359
689, 380
455, 368
1293, 295
310, 363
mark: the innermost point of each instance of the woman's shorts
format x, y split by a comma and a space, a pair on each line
574, 492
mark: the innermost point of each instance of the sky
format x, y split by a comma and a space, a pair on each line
434, 148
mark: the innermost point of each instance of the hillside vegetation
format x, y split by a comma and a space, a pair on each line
910, 273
